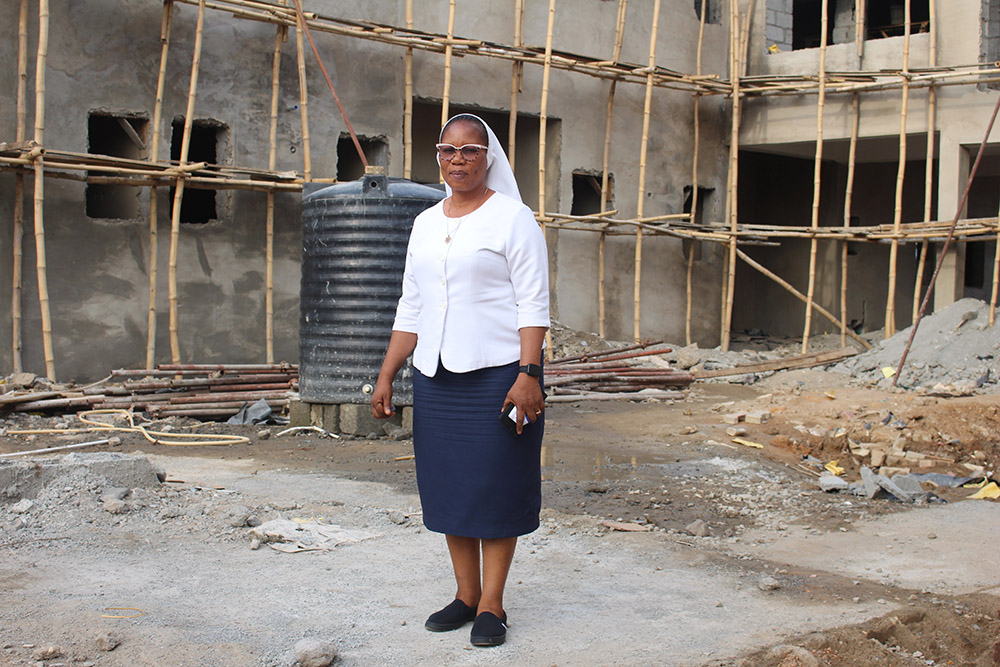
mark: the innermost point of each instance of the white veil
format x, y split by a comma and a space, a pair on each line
499, 175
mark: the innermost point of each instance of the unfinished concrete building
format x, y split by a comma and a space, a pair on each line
701, 167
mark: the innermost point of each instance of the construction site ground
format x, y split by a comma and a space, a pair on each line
781, 573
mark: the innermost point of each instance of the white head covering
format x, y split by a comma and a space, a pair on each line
499, 175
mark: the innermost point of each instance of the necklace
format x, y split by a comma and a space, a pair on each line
451, 231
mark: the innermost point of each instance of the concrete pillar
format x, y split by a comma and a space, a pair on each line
953, 174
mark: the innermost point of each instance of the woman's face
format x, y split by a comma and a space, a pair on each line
461, 175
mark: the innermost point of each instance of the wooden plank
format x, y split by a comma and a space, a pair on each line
800, 361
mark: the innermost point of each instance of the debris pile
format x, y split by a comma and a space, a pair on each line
954, 351
205, 391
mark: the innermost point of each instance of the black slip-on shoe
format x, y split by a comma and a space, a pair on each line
488, 630
454, 616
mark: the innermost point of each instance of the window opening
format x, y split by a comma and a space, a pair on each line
349, 166
807, 23
198, 206
115, 135
888, 19
587, 192
713, 14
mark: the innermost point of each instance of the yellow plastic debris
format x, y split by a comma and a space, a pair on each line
977, 485
834, 468
991, 490
748, 443
888, 371
773, 48
830, 395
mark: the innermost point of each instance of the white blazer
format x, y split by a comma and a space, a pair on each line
467, 298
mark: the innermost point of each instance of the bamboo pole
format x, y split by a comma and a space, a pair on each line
734, 149
446, 94
408, 100
694, 177
605, 168
18, 231
817, 174
890, 304
643, 151
40, 264
517, 69
859, 29
928, 161
996, 275
544, 114
848, 204
154, 157
300, 51
799, 295
175, 218
272, 158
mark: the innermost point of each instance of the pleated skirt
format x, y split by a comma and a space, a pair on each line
475, 478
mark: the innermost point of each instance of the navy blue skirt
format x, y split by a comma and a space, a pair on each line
475, 478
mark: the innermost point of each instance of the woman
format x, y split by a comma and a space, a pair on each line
474, 311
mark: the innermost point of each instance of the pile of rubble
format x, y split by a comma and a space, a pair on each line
954, 350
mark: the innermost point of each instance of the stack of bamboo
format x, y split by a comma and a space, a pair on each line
205, 391
612, 373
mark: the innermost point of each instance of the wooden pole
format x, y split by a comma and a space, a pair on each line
446, 94
643, 151
890, 304
605, 169
544, 114
694, 177
408, 100
848, 204
817, 174
734, 151
996, 275
928, 160
175, 218
43, 284
18, 236
272, 160
799, 295
154, 156
300, 51
515, 81
859, 29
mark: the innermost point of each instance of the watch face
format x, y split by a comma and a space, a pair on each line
534, 370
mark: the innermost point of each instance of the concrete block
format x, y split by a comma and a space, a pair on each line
831, 483
357, 420
878, 458
784, 20
325, 416
908, 484
25, 478
299, 414
926, 463
408, 418
895, 489
733, 417
871, 487
889, 471
736, 431
758, 417
775, 34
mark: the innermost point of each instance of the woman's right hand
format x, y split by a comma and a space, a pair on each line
381, 402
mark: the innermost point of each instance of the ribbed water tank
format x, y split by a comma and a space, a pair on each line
354, 238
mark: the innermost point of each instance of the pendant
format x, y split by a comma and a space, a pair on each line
447, 239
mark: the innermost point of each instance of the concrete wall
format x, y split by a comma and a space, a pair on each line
104, 55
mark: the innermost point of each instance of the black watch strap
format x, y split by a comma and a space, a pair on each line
533, 370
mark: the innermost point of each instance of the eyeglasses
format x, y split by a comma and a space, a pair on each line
469, 152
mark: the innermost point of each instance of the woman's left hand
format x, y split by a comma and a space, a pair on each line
526, 395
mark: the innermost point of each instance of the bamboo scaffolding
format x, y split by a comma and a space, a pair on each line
643, 151
448, 50
408, 99
300, 53
817, 174
696, 139
799, 295
890, 301
606, 167
280, 36
859, 30
996, 277
18, 230
39, 198
542, 127
154, 157
517, 71
734, 149
848, 204
175, 218
928, 160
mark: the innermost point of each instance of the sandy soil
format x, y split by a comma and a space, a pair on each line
786, 574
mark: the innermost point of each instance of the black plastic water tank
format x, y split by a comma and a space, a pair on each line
354, 238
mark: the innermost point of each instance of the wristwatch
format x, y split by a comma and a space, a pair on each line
533, 370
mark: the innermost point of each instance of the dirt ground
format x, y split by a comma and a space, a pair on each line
734, 555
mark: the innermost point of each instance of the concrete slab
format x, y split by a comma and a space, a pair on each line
25, 478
